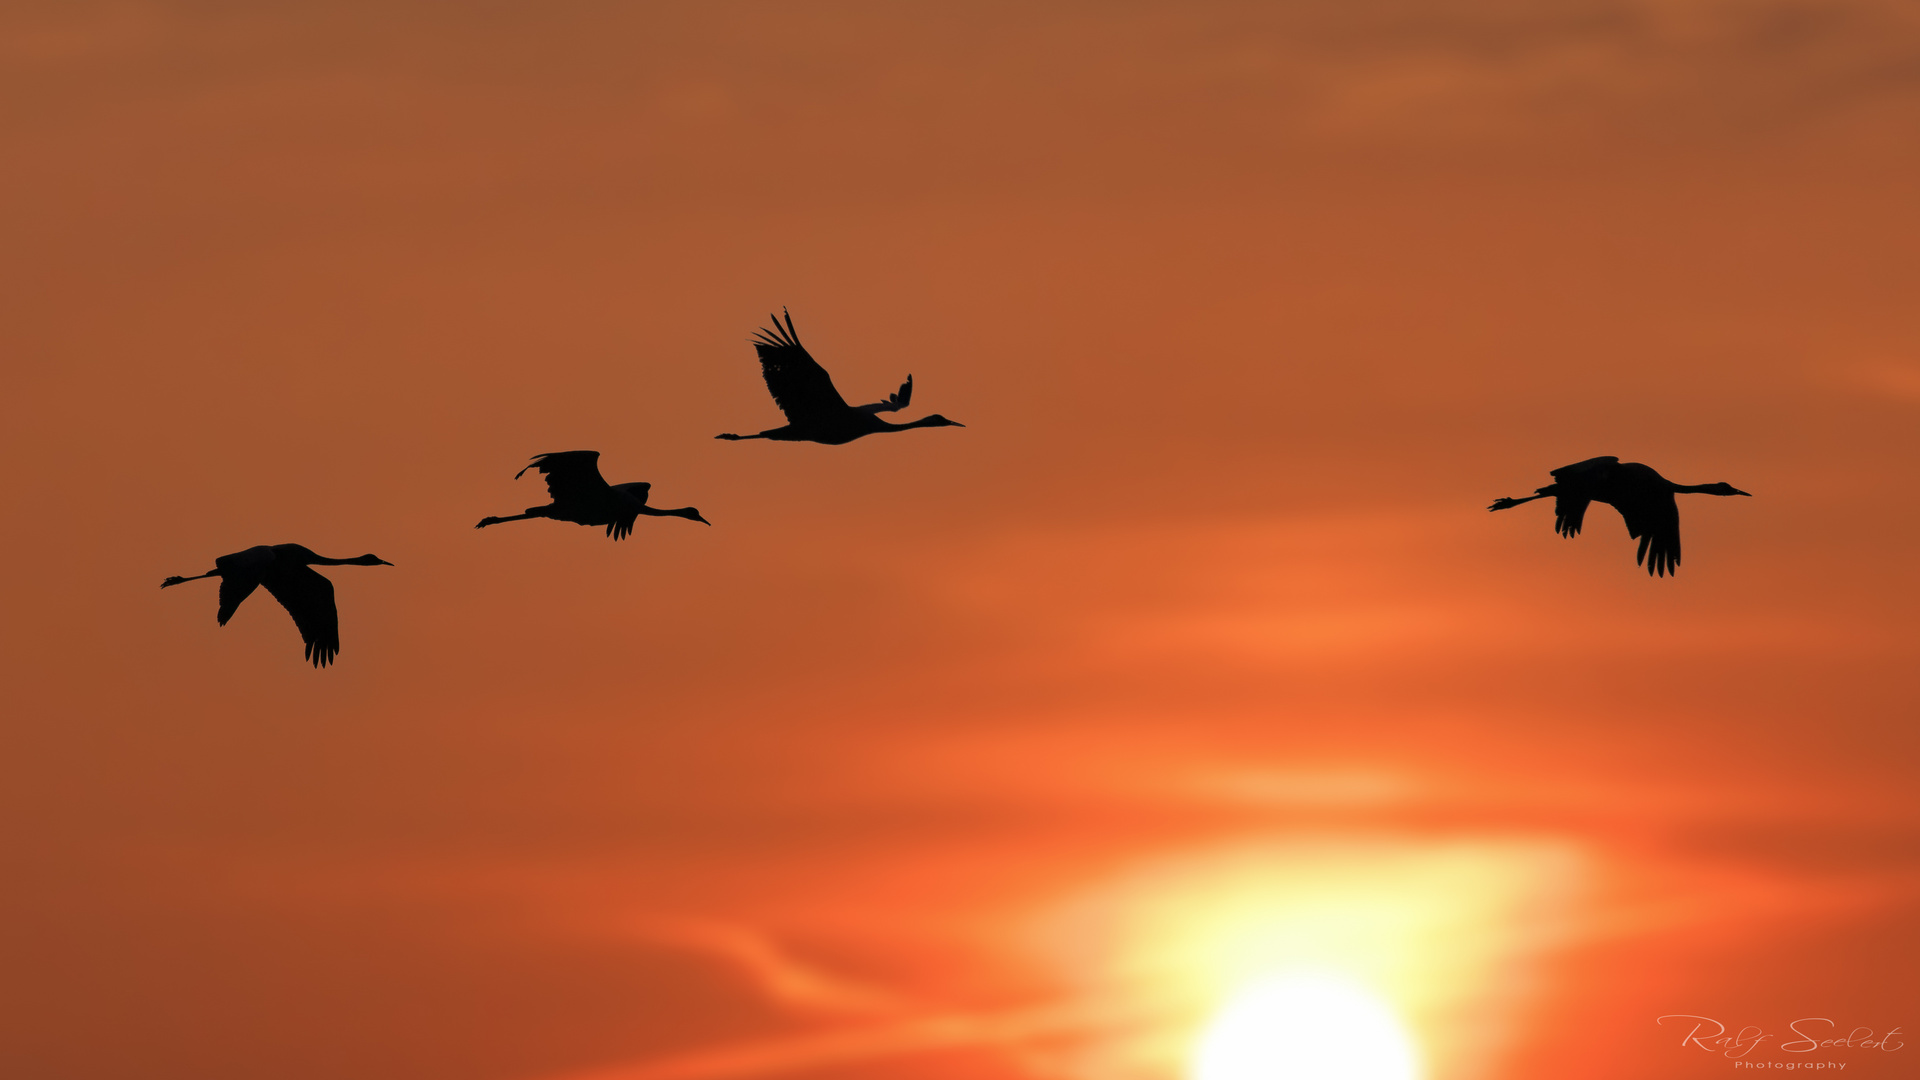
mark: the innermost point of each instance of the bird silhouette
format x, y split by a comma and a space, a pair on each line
1643, 497
287, 572
815, 410
580, 495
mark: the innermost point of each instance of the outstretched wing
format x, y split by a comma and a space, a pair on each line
1589, 471
233, 589
895, 402
308, 597
800, 386
240, 574
1646, 502
1573, 490
572, 475
619, 528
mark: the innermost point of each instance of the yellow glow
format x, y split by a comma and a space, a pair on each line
1444, 934
1305, 1026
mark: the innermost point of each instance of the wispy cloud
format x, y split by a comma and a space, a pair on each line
1330, 587
770, 968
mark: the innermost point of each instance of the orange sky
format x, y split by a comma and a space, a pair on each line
958, 755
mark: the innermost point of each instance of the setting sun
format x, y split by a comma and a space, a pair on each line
1306, 1026
1332, 956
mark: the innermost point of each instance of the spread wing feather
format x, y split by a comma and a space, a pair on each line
308, 597
621, 527
799, 385
1569, 513
895, 401
1646, 502
1653, 517
572, 475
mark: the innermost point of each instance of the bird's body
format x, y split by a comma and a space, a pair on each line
582, 496
815, 410
1643, 497
287, 572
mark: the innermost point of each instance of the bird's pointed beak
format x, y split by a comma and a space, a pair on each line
384, 562
1748, 494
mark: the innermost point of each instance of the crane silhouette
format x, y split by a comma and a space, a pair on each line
287, 572
1643, 497
815, 410
581, 496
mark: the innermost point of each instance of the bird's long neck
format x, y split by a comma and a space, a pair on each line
357, 560
925, 421
687, 512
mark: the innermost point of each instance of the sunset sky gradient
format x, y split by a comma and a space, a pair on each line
997, 753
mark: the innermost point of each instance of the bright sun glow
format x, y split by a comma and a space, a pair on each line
1317, 957
1305, 1027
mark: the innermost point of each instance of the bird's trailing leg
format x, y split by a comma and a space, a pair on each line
486, 521
737, 438
178, 580
1509, 503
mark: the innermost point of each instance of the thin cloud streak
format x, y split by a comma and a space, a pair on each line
772, 970
903, 1038
1369, 584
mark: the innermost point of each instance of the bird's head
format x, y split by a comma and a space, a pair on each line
691, 515
936, 420
1724, 488
370, 559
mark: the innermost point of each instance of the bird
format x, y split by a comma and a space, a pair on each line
580, 495
1643, 497
815, 410
287, 572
